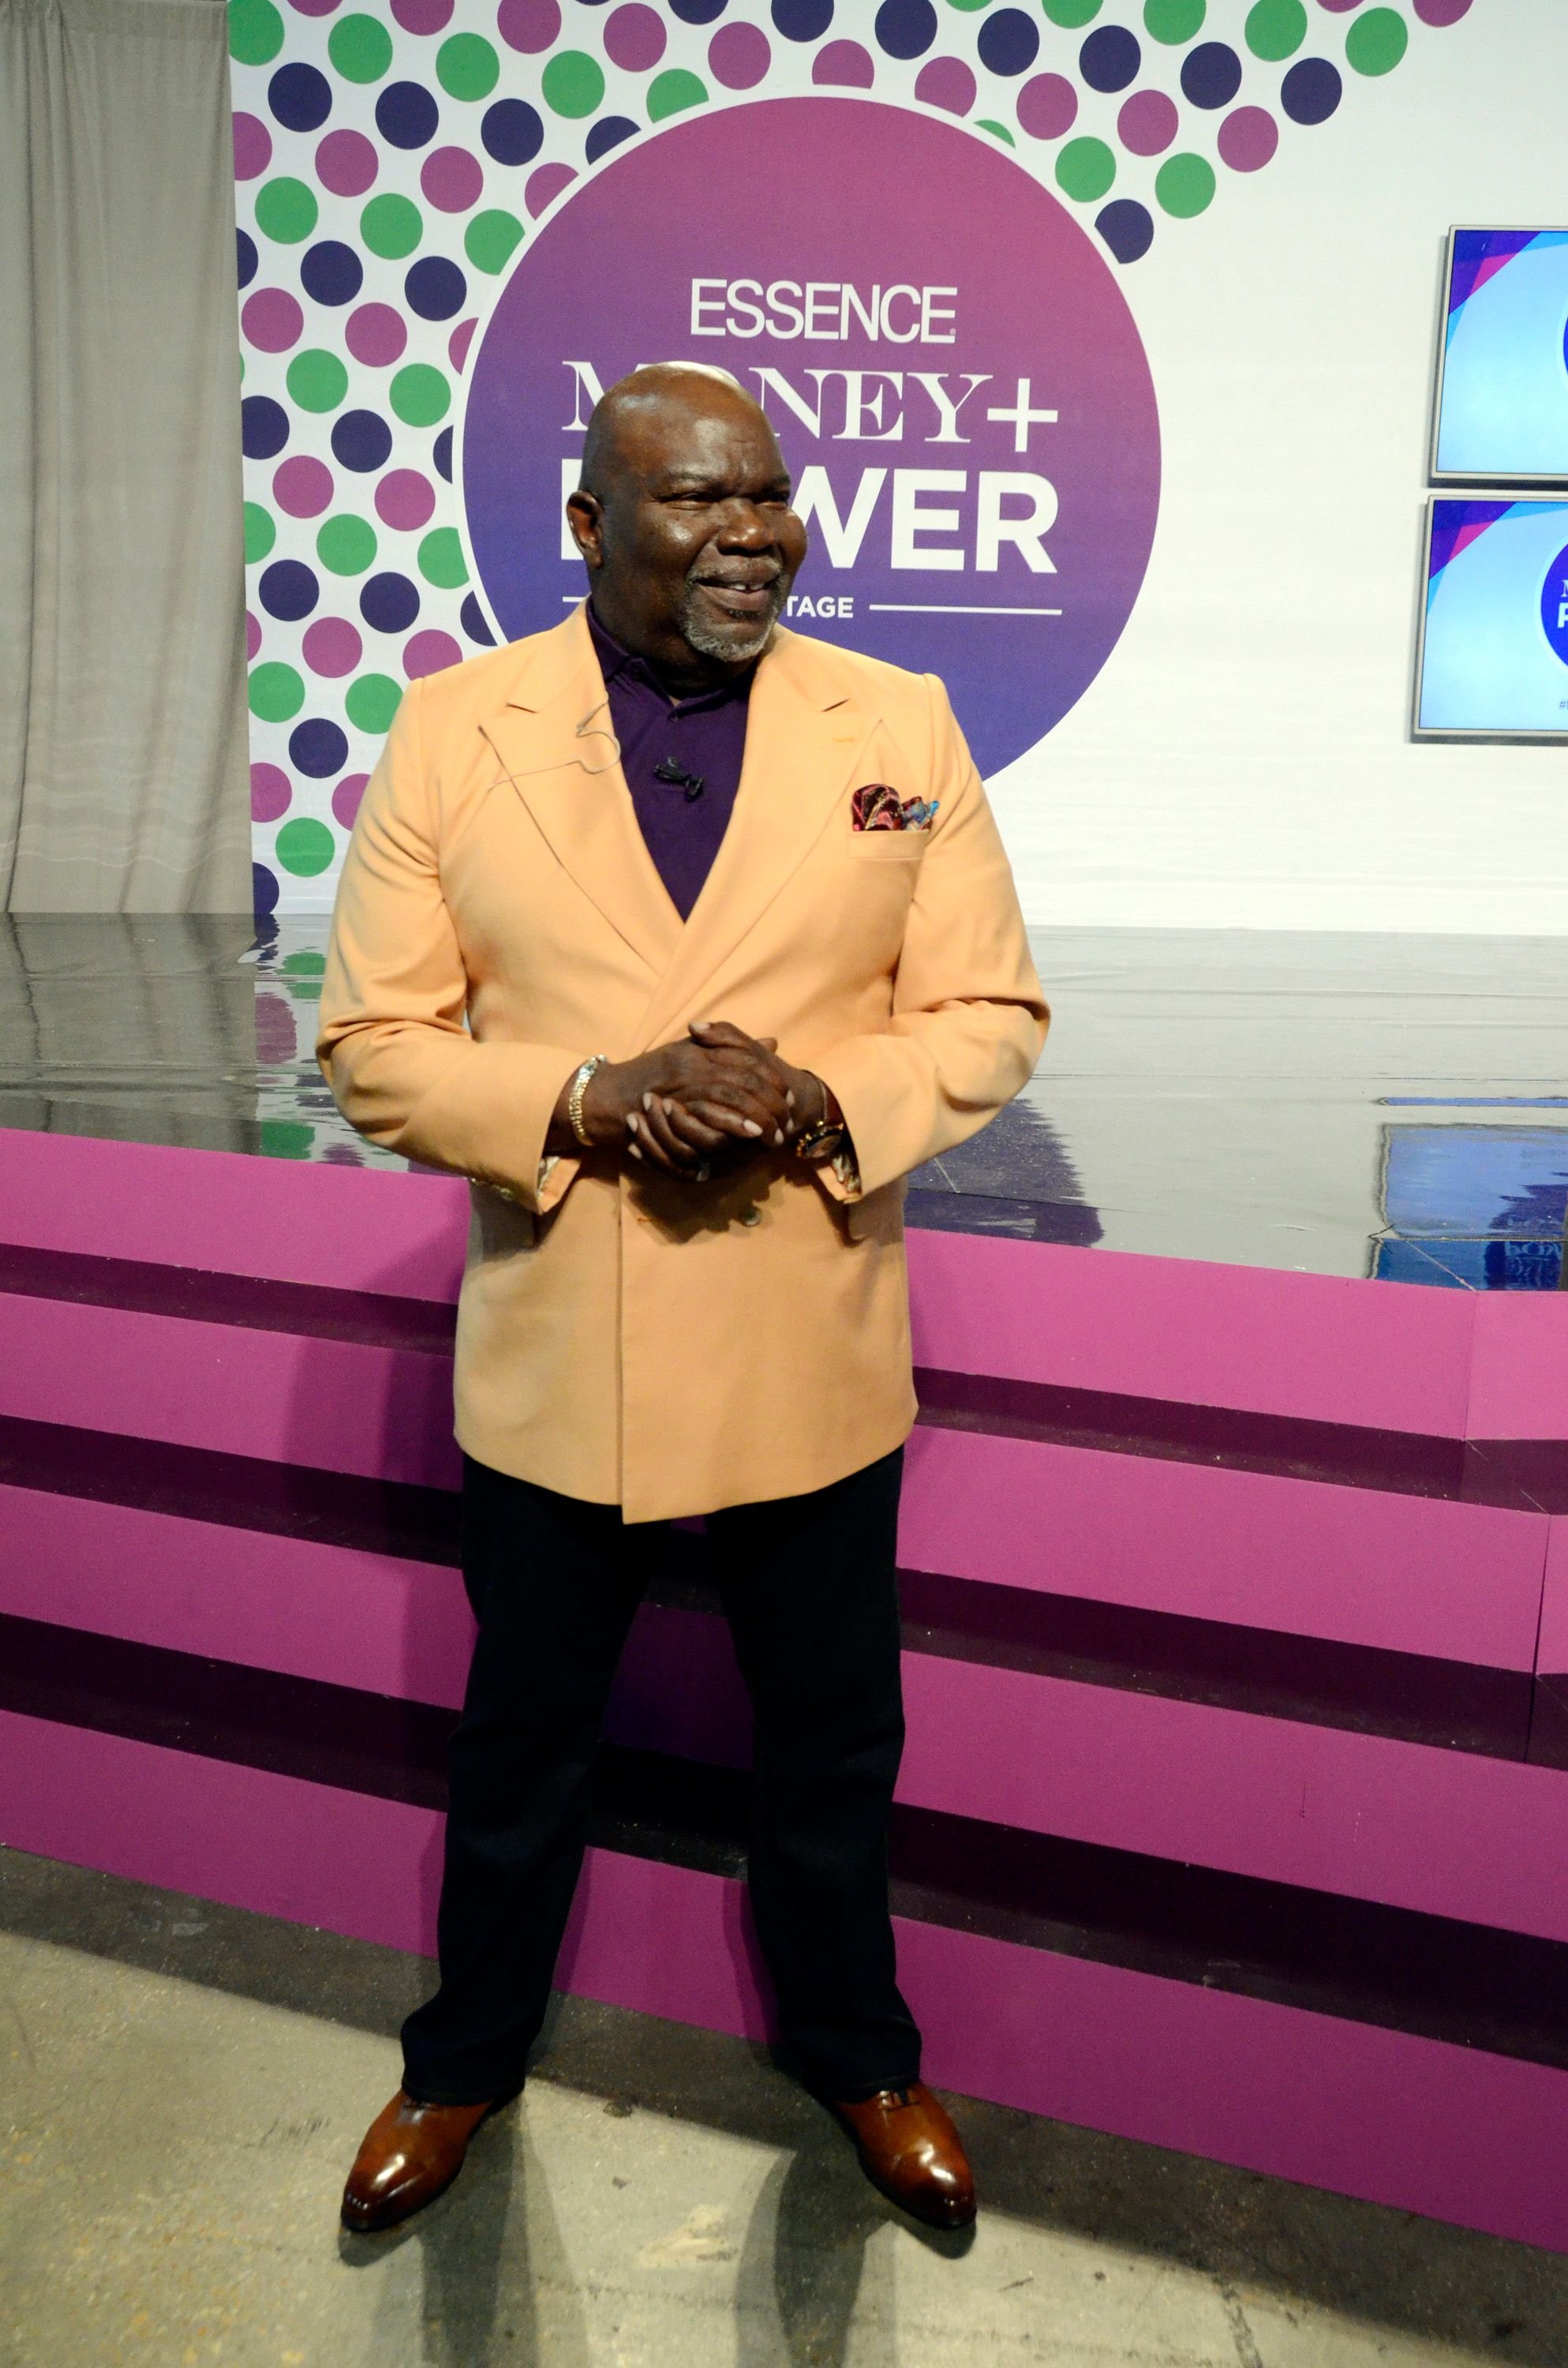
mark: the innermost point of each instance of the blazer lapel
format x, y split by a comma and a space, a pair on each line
557, 751
803, 734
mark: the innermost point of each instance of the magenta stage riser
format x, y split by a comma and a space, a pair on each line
1413, 2123
1308, 1558
1519, 1376
340, 1406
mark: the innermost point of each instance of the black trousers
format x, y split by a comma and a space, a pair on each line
809, 1588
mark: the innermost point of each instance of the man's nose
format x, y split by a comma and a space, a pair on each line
745, 526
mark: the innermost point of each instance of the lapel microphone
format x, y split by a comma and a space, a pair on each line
674, 772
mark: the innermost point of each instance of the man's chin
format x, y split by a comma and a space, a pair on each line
732, 644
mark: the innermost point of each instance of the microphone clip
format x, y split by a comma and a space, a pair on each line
674, 772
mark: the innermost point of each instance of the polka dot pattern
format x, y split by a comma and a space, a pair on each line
391, 157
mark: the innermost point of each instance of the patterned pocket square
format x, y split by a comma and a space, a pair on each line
875, 806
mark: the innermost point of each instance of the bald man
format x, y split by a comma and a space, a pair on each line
684, 938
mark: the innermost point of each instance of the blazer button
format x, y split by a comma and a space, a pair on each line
752, 1218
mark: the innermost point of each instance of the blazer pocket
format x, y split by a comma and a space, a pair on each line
888, 846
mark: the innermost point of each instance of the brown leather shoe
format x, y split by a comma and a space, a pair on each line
910, 2150
410, 2154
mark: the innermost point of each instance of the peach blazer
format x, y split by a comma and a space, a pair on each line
624, 1337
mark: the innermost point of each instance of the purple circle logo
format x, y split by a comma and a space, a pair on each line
958, 384
1554, 604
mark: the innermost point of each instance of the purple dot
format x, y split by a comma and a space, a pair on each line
264, 899
313, 7
302, 487
459, 343
272, 320
1441, 12
404, 499
376, 335
1339, 7
634, 38
253, 635
541, 189
270, 790
345, 164
430, 652
739, 55
947, 83
1147, 123
843, 65
1312, 90
423, 15
1248, 137
1211, 74
346, 796
530, 26
1048, 106
452, 179
253, 146
333, 648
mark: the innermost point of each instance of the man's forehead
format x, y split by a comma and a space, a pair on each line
678, 440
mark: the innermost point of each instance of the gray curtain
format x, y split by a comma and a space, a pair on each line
123, 776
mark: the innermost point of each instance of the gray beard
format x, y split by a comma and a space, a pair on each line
737, 643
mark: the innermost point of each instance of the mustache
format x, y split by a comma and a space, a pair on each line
735, 581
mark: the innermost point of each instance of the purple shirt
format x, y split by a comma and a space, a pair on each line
702, 739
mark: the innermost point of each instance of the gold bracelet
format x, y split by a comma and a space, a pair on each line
574, 1099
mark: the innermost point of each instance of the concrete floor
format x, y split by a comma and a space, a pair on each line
183, 2087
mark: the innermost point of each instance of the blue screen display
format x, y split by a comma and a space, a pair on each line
1503, 408
1495, 652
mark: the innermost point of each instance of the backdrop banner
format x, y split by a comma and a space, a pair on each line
913, 234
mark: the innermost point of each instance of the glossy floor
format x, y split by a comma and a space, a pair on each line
1361, 1104
185, 2085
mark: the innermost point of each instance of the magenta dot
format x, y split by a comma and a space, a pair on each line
423, 15
302, 487
634, 39
459, 343
272, 320
429, 653
345, 164
1441, 12
375, 335
270, 790
843, 65
738, 56
1048, 106
253, 635
332, 647
1339, 7
253, 146
529, 25
1147, 123
404, 499
542, 188
452, 179
947, 83
314, 7
1249, 138
346, 796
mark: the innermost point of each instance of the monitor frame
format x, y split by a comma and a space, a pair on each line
1499, 733
1475, 477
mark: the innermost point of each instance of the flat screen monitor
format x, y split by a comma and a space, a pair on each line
1501, 415
1493, 662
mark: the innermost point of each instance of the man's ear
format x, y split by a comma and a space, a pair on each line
585, 516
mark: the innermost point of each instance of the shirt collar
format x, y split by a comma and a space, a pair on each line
616, 659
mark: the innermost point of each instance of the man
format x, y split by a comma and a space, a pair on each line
685, 939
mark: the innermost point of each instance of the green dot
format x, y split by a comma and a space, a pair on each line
285, 209
1085, 169
305, 846
304, 965
286, 1138
420, 395
441, 559
672, 93
1174, 20
391, 226
1184, 185
317, 380
1377, 41
345, 544
573, 84
1276, 29
969, 7
1071, 12
997, 130
372, 701
467, 67
277, 692
360, 48
490, 239
261, 532
255, 31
